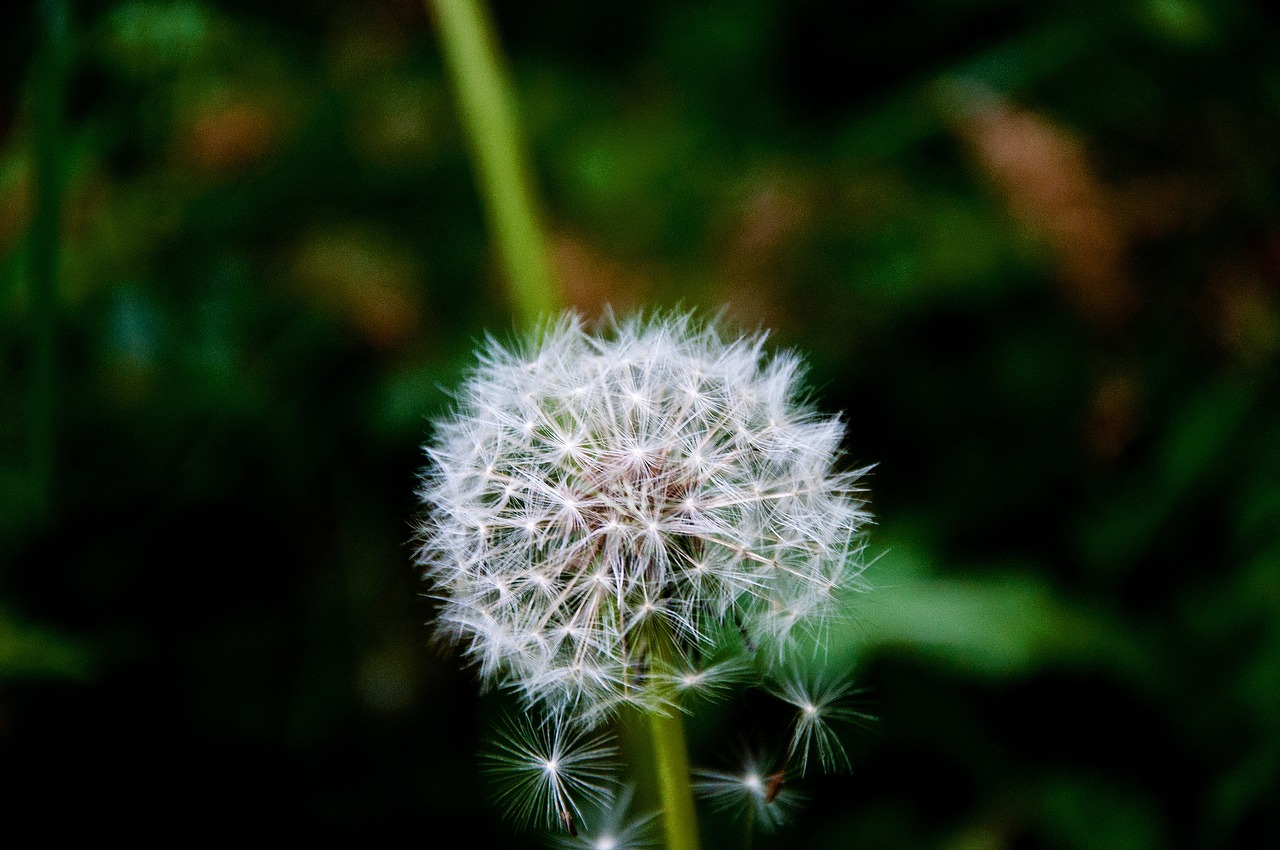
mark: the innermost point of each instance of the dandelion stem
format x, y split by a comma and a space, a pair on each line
488, 109
50, 75
671, 760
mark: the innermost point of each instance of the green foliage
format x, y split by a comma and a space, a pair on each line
998, 625
1031, 252
32, 652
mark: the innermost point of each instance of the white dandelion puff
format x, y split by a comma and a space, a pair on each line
602, 504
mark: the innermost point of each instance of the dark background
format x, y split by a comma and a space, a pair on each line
1031, 250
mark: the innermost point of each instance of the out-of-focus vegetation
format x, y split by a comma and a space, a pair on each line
1033, 250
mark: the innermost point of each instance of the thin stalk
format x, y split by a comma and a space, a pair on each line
488, 109
671, 761
44, 247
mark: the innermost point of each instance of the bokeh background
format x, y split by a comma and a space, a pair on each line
1031, 250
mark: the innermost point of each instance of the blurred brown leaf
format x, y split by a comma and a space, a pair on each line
1245, 306
752, 266
590, 279
363, 278
16, 196
1046, 178
1112, 415
226, 135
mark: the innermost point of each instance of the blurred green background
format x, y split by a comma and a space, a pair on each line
1031, 250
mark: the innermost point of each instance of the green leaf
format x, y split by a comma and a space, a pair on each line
32, 652
996, 625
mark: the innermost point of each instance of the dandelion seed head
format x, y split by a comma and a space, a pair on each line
598, 492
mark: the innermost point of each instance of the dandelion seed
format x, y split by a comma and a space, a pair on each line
756, 790
711, 680
614, 827
548, 772
820, 701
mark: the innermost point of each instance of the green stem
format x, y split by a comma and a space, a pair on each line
488, 110
44, 248
671, 761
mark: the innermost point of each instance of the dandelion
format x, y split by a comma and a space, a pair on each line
601, 505
631, 516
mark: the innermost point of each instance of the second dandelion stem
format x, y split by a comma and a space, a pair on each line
50, 75
671, 762
488, 110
